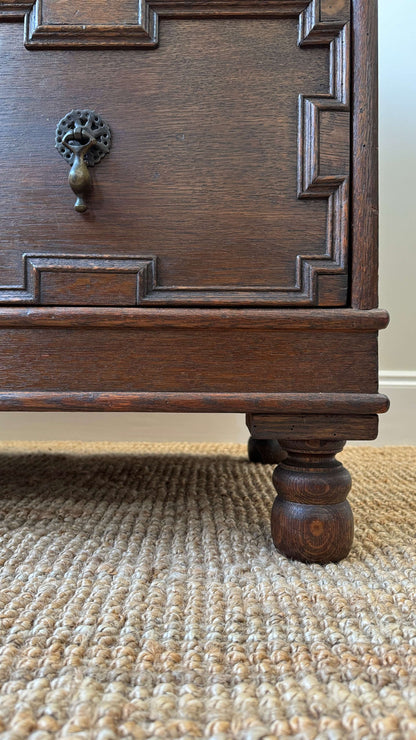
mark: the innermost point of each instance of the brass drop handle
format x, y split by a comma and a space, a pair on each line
82, 138
79, 142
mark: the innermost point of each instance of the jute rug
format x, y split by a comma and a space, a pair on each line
141, 597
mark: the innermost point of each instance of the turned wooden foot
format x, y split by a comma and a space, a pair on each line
311, 519
266, 451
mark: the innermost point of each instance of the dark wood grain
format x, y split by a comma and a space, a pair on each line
230, 8
323, 426
311, 519
77, 12
168, 360
343, 320
14, 10
88, 288
217, 206
364, 229
120, 13
194, 402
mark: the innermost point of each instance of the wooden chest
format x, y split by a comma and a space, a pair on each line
222, 252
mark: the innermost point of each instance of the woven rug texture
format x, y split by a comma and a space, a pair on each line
141, 597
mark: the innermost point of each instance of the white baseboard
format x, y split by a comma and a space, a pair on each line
397, 427
402, 378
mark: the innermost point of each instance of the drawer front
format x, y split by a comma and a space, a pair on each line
228, 178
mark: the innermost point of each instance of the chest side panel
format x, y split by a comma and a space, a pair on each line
228, 177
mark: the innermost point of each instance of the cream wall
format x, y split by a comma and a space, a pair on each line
397, 66
397, 271
397, 182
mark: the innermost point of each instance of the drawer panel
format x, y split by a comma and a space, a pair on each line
229, 170
178, 360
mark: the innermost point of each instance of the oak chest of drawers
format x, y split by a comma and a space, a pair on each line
189, 223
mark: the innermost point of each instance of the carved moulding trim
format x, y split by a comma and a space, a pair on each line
14, 11
38, 35
311, 183
35, 264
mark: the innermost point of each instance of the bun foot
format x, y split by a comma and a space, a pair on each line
266, 451
311, 519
